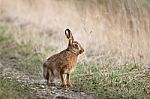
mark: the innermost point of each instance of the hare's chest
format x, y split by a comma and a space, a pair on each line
69, 70
72, 62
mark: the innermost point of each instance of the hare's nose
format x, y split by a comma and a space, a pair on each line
81, 51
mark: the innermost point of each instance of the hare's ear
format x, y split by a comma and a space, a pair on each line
69, 36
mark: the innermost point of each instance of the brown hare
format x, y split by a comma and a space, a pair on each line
63, 63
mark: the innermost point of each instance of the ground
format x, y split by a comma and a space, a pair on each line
20, 78
28, 86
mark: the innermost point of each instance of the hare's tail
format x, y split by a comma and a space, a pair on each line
45, 72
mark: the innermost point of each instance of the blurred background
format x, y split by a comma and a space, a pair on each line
112, 32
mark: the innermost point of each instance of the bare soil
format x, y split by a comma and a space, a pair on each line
38, 86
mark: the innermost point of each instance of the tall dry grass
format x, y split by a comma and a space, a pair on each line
111, 31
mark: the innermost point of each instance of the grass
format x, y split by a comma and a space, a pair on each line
28, 61
107, 82
111, 31
20, 57
10, 89
111, 83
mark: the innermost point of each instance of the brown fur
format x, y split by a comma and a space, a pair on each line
63, 62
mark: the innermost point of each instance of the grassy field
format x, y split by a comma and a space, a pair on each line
115, 36
122, 81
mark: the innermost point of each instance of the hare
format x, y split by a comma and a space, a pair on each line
63, 63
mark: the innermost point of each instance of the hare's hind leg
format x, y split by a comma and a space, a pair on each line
68, 80
50, 78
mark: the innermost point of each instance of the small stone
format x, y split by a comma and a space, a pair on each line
82, 93
53, 92
42, 86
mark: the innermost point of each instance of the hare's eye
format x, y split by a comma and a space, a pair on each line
76, 45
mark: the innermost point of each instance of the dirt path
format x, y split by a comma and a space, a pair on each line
39, 85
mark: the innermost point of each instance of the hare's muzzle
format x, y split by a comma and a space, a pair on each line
81, 51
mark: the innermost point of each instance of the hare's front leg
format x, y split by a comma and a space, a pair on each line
62, 79
68, 80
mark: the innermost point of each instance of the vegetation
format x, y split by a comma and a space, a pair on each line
107, 82
23, 53
116, 40
119, 82
11, 89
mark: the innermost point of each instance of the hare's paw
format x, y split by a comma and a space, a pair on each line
69, 85
64, 85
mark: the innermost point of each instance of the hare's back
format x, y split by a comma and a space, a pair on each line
57, 60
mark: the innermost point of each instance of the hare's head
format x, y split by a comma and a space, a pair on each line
73, 46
